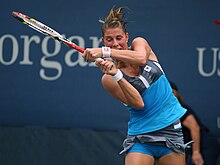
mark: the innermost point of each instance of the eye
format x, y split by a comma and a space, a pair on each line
108, 39
119, 37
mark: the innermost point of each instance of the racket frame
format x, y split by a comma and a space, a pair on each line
44, 29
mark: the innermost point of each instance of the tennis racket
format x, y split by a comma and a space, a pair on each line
40, 27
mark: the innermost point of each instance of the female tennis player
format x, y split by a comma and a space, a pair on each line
135, 78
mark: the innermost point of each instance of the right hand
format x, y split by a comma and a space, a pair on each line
91, 54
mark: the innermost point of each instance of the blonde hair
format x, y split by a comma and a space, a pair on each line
115, 19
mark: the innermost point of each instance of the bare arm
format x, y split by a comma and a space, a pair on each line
121, 90
139, 54
191, 123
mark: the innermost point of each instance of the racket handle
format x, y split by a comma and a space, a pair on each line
78, 48
74, 46
81, 50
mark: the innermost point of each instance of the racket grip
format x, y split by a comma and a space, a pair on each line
78, 48
74, 46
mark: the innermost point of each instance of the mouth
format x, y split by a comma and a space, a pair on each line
118, 48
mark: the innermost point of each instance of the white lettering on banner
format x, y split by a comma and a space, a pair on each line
218, 68
27, 42
45, 60
15, 49
215, 56
50, 64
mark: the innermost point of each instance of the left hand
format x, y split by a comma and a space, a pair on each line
91, 54
197, 158
107, 66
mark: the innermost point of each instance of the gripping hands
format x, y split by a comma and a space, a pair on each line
98, 55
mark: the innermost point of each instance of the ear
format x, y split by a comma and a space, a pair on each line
127, 36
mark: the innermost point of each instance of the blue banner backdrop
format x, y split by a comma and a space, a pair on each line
44, 83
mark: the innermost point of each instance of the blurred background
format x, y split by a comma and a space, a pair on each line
53, 108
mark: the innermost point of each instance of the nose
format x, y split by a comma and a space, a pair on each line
115, 43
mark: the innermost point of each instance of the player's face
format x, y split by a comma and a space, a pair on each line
116, 38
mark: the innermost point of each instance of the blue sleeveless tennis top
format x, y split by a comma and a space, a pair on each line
161, 107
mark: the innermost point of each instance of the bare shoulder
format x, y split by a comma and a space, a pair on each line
139, 42
139, 39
